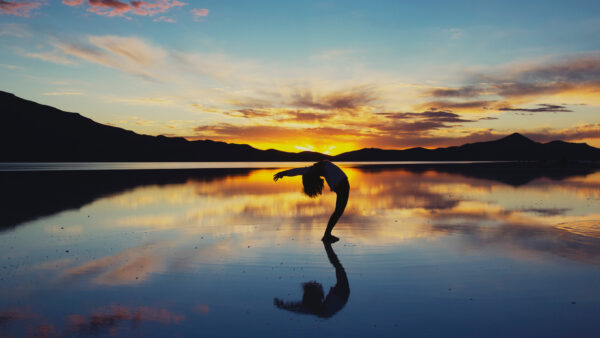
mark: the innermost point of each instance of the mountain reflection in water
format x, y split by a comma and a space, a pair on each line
169, 251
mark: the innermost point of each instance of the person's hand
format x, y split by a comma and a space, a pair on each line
277, 176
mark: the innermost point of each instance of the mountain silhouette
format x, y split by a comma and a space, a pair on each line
35, 132
31, 132
514, 147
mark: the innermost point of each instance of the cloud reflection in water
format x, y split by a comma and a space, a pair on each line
139, 234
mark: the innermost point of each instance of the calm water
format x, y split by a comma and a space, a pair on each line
69, 166
451, 251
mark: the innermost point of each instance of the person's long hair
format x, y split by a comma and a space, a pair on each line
313, 295
312, 183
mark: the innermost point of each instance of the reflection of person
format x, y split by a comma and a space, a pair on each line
313, 186
312, 300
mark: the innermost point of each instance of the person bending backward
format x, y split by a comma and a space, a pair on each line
313, 186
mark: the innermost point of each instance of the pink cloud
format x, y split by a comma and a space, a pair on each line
18, 8
108, 7
112, 8
148, 8
199, 12
202, 308
164, 19
110, 317
72, 2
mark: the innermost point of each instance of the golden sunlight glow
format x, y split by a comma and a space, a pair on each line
218, 219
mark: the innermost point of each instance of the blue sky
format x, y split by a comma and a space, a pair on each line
320, 75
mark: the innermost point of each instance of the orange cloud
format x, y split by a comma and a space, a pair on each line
112, 8
151, 9
164, 19
199, 13
128, 267
127, 54
202, 308
110, 317
52, 56
72, 2
19, 8
145, 59
108, 7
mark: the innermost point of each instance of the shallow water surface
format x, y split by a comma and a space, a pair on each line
424, 251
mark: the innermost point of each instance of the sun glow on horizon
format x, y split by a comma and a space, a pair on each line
324, 150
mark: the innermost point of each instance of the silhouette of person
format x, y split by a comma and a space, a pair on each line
313, 187
313, 301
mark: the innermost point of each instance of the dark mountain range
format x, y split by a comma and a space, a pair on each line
515, 147
33, 132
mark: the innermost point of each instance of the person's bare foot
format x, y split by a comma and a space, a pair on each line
330, 239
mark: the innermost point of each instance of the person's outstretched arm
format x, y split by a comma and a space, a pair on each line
291, 172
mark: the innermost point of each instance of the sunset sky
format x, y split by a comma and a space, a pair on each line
328, 76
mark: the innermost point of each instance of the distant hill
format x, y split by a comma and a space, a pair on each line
32, 132
514, 147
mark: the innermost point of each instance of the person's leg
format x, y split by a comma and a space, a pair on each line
340, 205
